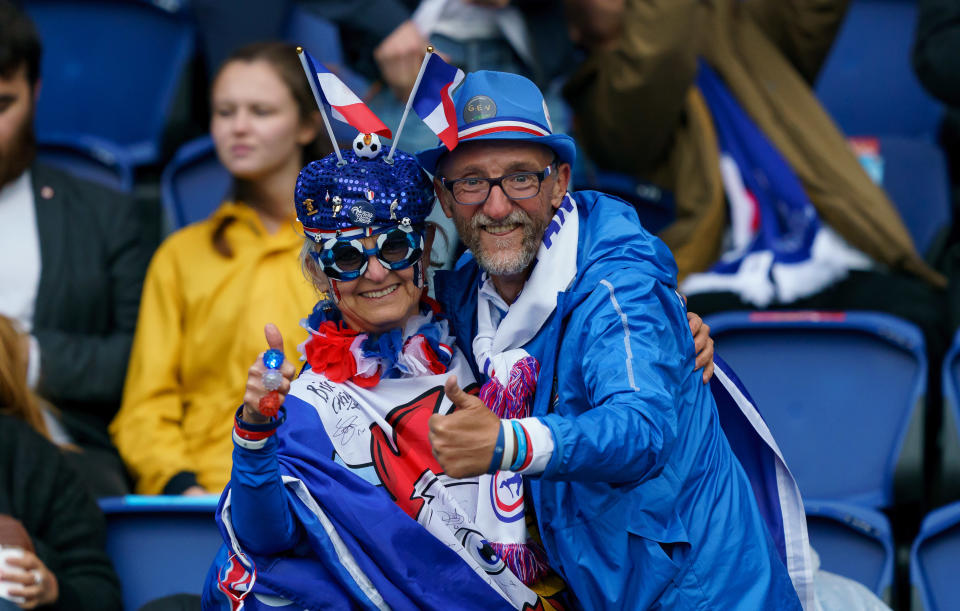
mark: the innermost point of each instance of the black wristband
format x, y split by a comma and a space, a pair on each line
269, 425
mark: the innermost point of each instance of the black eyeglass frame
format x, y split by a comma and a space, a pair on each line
497, 182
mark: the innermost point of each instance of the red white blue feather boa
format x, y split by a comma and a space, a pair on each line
423, 346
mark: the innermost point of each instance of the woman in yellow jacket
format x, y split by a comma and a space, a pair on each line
212, 286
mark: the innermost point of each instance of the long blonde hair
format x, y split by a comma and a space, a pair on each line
16, 398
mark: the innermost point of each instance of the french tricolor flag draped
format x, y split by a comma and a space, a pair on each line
432, 99
774, 488
343, 104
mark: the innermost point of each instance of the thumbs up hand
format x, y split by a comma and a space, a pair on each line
463, 441
255, 389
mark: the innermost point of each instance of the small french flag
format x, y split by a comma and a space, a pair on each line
432, 100
343, 104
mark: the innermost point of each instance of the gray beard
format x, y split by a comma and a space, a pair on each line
501, 262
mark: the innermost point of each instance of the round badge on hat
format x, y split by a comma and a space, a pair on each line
479, 107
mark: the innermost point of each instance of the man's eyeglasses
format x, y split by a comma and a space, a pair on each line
347, 260
475, 191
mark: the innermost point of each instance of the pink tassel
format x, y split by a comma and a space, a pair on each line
514, 400
525, 560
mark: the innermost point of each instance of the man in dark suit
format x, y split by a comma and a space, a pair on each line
72, 262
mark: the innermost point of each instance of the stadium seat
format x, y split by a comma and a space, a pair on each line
914, 174
111, 68
935, 561
950, 439
854, 542
90, 158
841, 393
194, 183
654, 206
867, 83
160, 545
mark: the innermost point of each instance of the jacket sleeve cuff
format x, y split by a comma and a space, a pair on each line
180, 482
553, 464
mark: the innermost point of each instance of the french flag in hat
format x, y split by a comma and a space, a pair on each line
343, 104
432, 100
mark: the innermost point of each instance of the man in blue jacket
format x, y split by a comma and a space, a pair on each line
639, 499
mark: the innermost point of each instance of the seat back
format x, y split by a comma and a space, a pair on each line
854, 542
91, 159
914, 174
934, 569
950, 430
111, 68
867, 83
194, 183
839, 392
160, 545
655, 206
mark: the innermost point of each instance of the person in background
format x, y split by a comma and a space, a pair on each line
213, 285
72, 263
773, 209
45, 511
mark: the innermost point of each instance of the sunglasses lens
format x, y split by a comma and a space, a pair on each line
396, 247
346, 257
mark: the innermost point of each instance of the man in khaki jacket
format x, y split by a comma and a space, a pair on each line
637, 86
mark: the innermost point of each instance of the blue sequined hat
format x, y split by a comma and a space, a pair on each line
363, 196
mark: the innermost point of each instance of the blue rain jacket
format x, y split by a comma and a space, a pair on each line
643, 504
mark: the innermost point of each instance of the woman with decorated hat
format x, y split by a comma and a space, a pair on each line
335, 498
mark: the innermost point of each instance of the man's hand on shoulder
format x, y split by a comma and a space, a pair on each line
702, 344
463, 441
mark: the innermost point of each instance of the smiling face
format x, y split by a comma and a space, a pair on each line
380, 299
502, 233
256, 126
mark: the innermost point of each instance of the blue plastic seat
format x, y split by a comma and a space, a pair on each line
935, 561
654, 206
111, 68
89, 158
867, 83
854, 542
160, 545
950, 428
194, 183
915, 177
839, 391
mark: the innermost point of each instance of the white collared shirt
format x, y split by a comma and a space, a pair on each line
20, 261
463, 21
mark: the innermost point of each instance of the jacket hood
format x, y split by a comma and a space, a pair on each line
612, 239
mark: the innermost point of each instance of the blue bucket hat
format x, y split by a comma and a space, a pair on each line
501, 106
